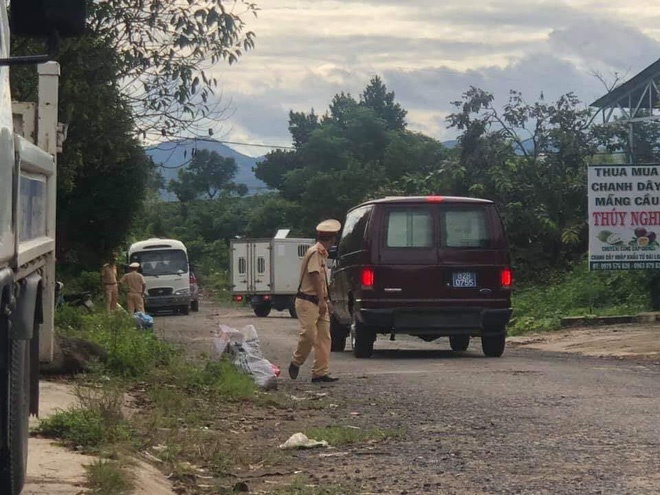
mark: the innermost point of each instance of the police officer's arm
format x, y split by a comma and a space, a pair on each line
317, 280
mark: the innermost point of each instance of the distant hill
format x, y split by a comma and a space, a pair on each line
171, 155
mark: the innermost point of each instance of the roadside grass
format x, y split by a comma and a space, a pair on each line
347, 435
189, 417
578, 293
132, 354
106, 477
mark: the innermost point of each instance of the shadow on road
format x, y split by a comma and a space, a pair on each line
382, 354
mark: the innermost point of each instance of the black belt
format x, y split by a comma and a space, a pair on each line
308, 297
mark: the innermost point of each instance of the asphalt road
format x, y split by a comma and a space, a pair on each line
526, 423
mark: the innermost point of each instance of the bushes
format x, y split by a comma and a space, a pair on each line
578, 293
132, 353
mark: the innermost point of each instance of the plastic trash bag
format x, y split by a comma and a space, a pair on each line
143, 320
244, 350
302, 441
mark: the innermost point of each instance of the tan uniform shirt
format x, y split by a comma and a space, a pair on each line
315, 260
133, 281
109, 274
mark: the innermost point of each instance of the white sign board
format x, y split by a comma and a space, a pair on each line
624, 217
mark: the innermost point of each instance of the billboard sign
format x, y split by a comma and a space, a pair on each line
624, 217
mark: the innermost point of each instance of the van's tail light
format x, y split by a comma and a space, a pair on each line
506, 278
367, 278
238, 298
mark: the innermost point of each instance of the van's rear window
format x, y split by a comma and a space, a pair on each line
465, 228
410, 229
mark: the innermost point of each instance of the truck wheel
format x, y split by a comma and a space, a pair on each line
338, 333
185, 310
362, 340
194, 306
15, 411
493, 345
459, 343
262, 311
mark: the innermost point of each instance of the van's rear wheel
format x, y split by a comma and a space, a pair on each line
362, 339
459, 343
338, 332
493, 345
194, 305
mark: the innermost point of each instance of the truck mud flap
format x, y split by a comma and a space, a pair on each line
28, 313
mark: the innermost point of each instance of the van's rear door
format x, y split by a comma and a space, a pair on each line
432, 254
407, 268
472, 251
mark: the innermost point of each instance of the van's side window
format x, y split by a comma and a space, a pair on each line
409, 229
352, 236
465, 228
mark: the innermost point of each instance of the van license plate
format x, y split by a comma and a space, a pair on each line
464, 279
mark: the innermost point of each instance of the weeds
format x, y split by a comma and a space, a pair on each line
346, 435
578, 293
105, 477
131, 353
97, 421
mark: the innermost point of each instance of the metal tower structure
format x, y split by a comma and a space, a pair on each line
636, 100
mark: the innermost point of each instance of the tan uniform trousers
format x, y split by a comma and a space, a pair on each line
314, 333
134, 302
111, 296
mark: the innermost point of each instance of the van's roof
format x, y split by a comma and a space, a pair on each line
427, 199
156, 243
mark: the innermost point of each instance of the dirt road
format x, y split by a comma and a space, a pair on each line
531, 422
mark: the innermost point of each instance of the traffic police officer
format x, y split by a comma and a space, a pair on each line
109, 281
136, 286
313, 306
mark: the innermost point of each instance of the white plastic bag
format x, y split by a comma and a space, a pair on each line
245, 350
224, 337
302, 441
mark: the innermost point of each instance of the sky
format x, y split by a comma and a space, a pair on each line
428, 52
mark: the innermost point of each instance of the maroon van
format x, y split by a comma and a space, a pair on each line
430, 267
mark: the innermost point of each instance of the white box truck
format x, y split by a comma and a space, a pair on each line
28, 148
265, 272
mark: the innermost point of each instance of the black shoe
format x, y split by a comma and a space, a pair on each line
324, 379
293, 371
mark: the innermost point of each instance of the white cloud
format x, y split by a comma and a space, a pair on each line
429, 52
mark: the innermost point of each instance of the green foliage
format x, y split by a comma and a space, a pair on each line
208, 175
215, 379
81, 427
531, 159
107, 477
358, 147
165, 51
132, 353
578, 293
345, 435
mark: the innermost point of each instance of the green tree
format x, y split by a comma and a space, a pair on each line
376, 97
208, 175
103, 171
166, 49
532, 160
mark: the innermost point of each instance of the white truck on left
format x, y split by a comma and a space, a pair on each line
28, 149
